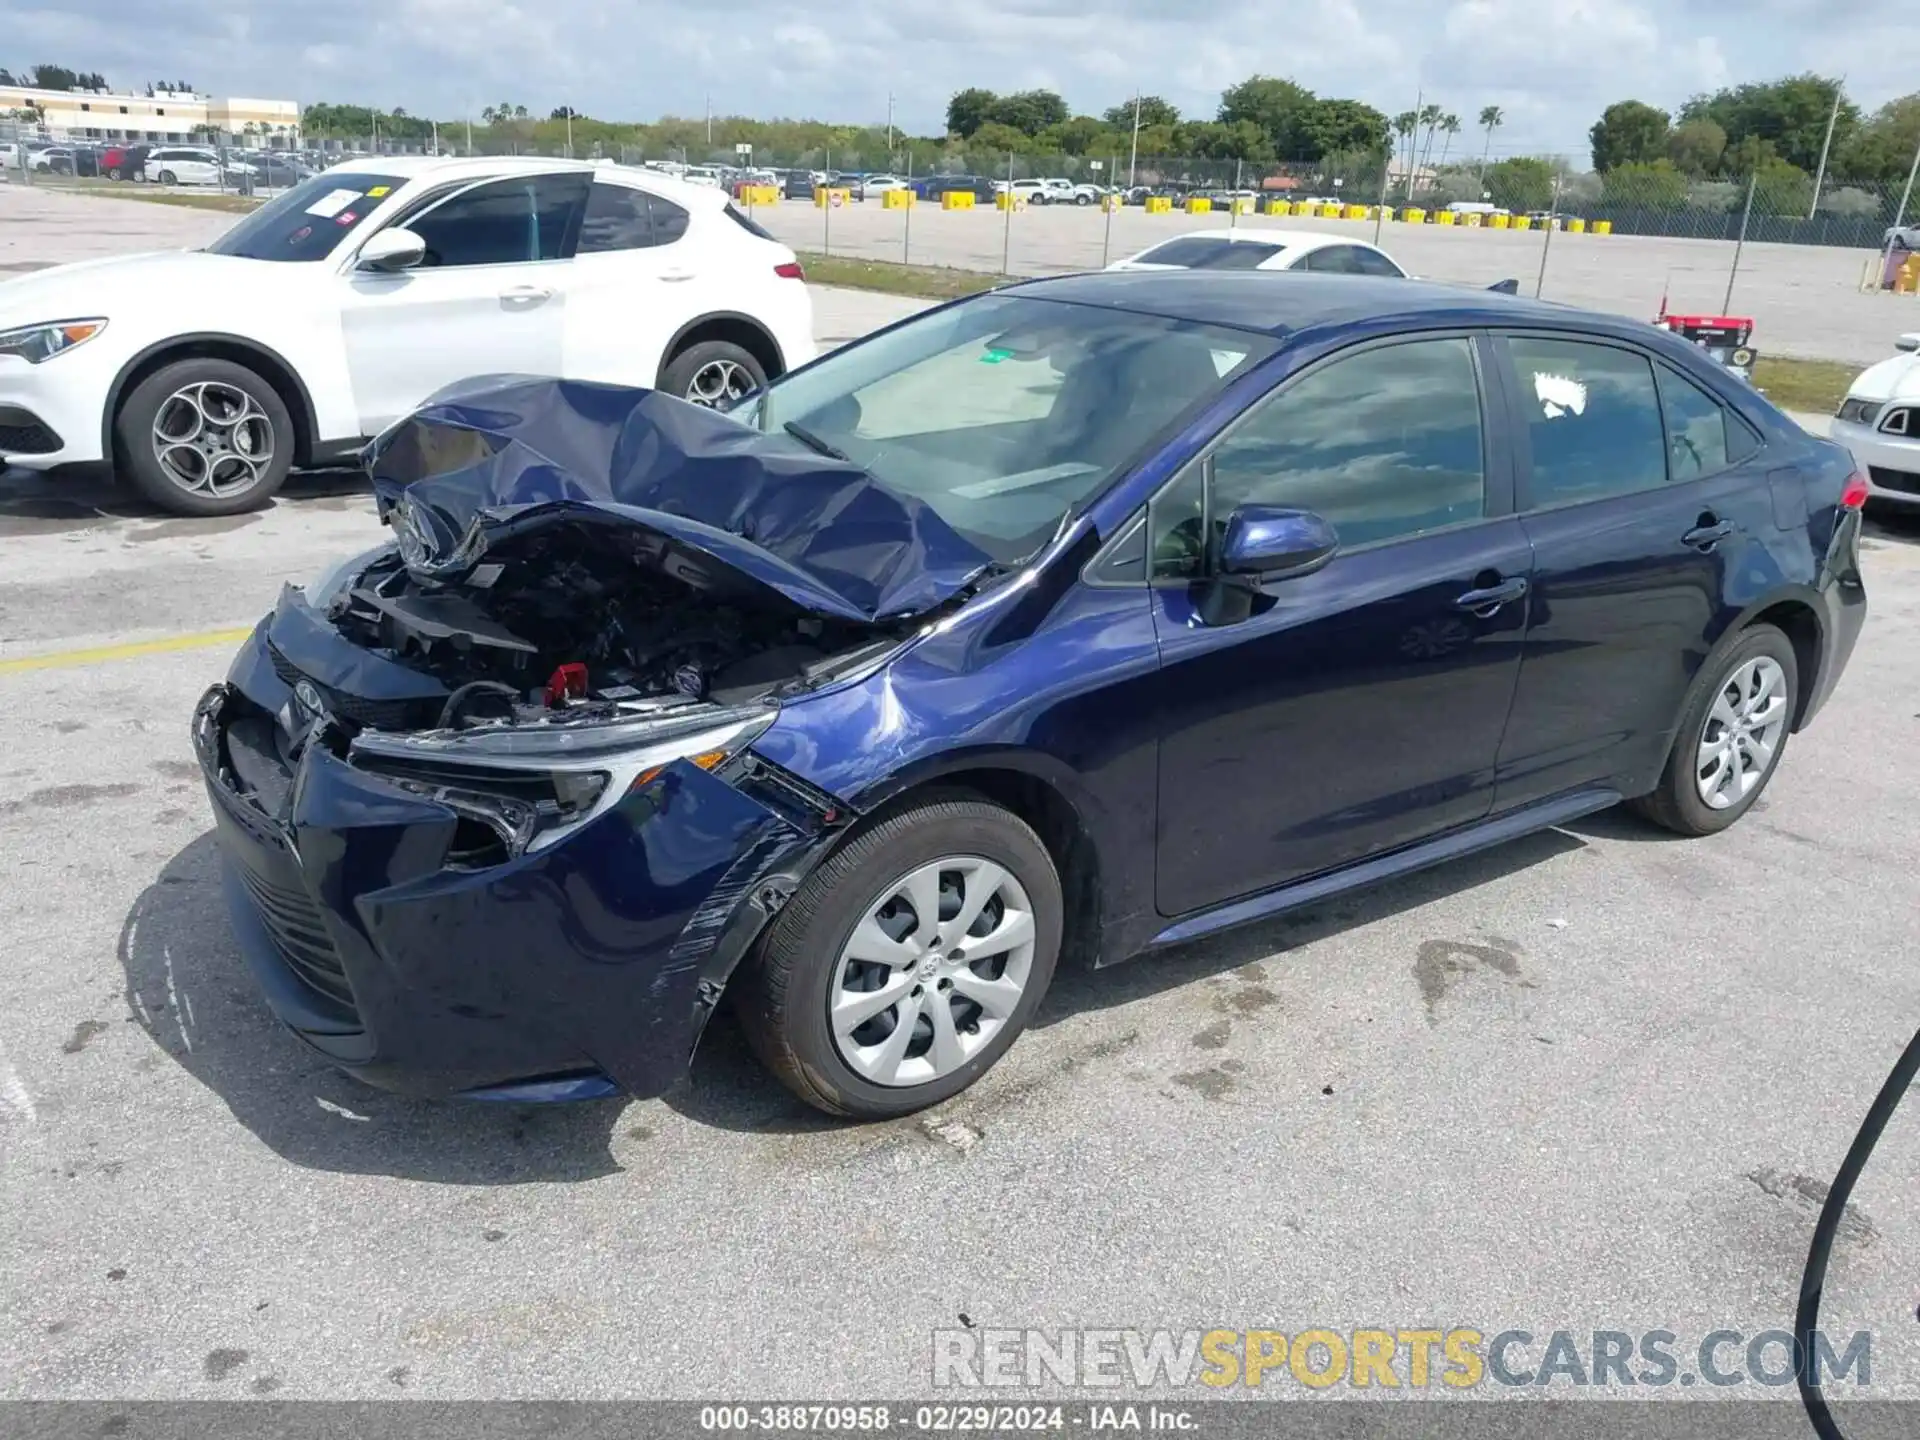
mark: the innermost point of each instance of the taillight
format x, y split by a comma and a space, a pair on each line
1853, 494
790, 271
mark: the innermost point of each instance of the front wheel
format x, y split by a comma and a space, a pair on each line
1730, 738
713, 373
166, 178
909, 963
204, 437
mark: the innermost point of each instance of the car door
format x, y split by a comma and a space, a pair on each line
1645, 500
488, 299
639, 276
1358, 707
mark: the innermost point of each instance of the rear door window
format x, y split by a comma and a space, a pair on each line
1593, 420
617, 218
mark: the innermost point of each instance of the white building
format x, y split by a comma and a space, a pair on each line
177, 115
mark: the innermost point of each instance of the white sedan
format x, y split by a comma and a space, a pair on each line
335, 309
1262, 248
1879, 422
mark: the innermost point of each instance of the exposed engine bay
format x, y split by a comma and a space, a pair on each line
596, 620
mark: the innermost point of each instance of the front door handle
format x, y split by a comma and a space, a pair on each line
1709, 533
1485, 601
674, 277
526, 295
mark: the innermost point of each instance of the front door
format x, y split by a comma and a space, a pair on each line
1647, 503
1358, 708
488, 299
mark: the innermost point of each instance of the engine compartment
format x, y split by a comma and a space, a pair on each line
595, 620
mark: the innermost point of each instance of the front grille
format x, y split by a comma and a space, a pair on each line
1905, 482
357, 710
300, 934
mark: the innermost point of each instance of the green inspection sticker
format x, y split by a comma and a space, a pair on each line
995, 355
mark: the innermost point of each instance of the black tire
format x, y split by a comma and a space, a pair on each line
166, 177
679, 373
783, 992
1083, 199
135, 460
114, 173
1675, 804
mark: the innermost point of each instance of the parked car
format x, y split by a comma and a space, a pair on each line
278, 171
799, 185
1032, 192
1261, 248
934, 186
701, 175
125, 162
338, 306
183, 165
872, 187
862, 704
1879, 422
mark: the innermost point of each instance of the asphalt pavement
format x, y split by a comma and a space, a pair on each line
1594, 1079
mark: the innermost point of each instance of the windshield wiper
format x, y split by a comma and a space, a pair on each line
813, 442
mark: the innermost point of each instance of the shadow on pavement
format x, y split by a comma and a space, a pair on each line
188, 987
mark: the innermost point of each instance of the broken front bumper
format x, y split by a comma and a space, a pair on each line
584, 967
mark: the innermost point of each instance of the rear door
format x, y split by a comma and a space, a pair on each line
1650, 514
639, 275
1359, 708
489, 299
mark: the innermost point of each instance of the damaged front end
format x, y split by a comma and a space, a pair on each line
491, 816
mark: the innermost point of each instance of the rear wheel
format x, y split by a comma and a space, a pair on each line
909, 963
204, 437
1730, 738
166, 178
714, 373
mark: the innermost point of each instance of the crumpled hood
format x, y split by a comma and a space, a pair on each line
505, 454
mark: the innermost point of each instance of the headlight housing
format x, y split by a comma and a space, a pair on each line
1859, 412
532, 784
38, 343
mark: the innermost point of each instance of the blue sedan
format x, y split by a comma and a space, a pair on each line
1069, 621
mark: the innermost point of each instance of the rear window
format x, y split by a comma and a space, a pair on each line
308, 221
1194, 252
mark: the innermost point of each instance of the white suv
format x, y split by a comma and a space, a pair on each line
335, 309
183, 165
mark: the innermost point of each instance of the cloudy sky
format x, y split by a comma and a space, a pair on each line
1551, 64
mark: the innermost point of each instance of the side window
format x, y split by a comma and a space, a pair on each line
1372, 262
669, 220
1383, 444
616, 219
1698, 428
1593, 419
505, 222
1177, 521
1334, 260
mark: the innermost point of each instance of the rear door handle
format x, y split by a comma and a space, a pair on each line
526, 295
1705, 537
674, 277
1484, 602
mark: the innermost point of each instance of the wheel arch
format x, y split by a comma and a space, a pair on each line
732, 327
264, 361
1798, 618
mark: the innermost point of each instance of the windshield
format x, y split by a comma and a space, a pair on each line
1006, 412
308, 221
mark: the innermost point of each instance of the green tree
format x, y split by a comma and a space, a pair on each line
1231, 140
969, 110
1279, 108
1654, 185
1082, 135
1030, 110
1153, 111
995, 135
1492, 117
1781, 188
1404, 126
1429, 119
1791, 114
54, 77
1629, 132
1449, 126
1883, 148
1521, 184
1336, 126
1696, 147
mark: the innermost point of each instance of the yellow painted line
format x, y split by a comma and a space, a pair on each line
99, 654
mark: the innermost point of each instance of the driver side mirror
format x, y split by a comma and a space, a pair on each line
391, 251
1262, 543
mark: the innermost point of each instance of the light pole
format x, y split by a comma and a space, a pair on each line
1133, 156
1826, 144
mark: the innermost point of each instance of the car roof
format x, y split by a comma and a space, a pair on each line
1299, 300
482, 167
1300, 240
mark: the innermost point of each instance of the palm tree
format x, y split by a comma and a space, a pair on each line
1430, 121
1490, 120
1450, 127
1404, 124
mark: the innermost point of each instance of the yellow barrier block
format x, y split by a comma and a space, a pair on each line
1356, 212
1500, 222
1576, 226
1196, 205
1112, 202
762, 194
1278, 207
896, 199
1242, 205
1473, 222
824, 197
1159, 205
1603, 227
1007, 200
1413, 216
957, 200
1446, 217
1521, 222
